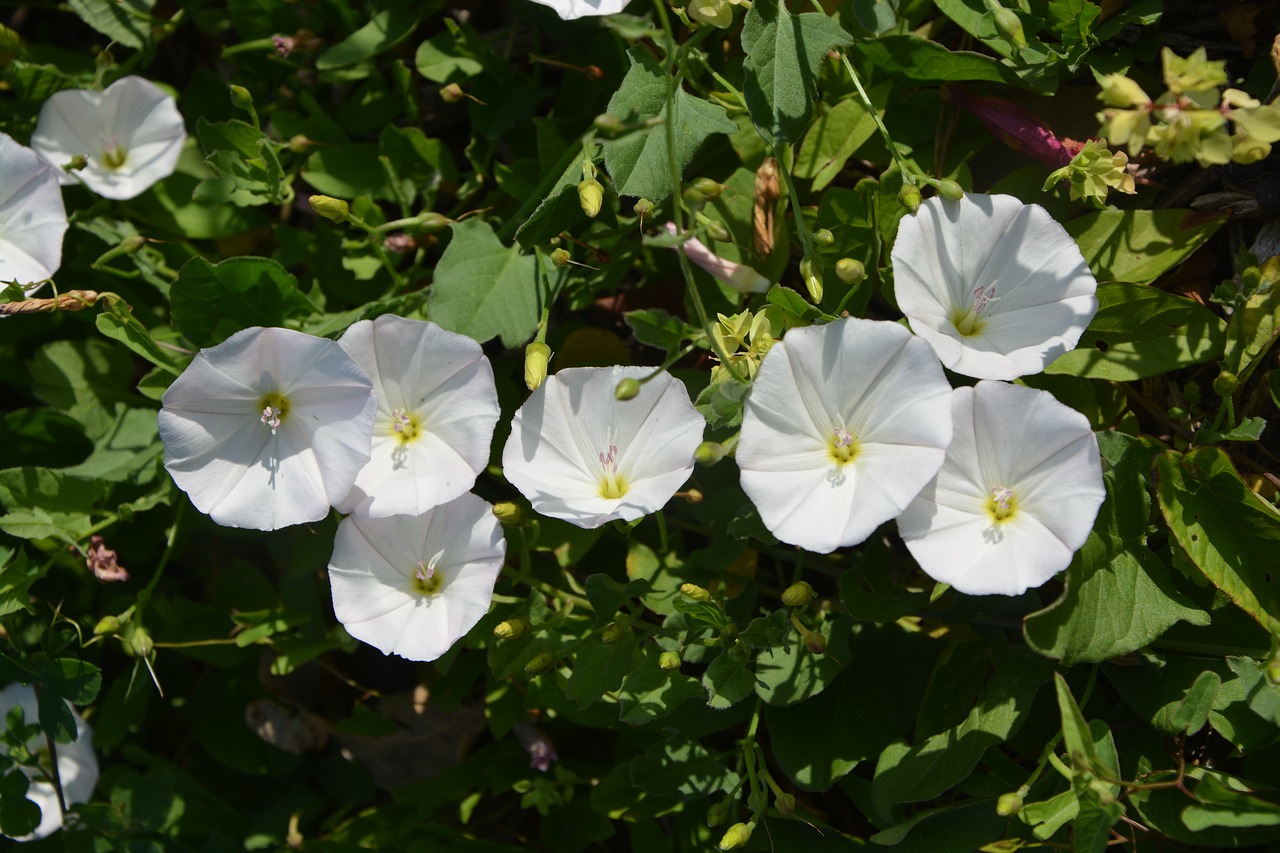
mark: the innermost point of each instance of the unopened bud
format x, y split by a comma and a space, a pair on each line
668, 661
785, 803
333, 209
536, 357
75, 164
607, 123
811, 272
824, 237
718, 813
850, 270
299, 143
1008, 24
451, 93
693, 592
709, 453
240, 98
950, 190
799, 594
627, 389
541, 662
106, 626
1226, 384
1009, 804
431, 221
612, 633
510, 629
508, 514
590, 196
131, 244
716, 229
909, 197
814, 642
141, 643
737, 835
642, 207
561, 257
702, 190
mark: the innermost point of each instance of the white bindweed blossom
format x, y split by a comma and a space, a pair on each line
997, 287
129, 136
740, 277
844, 426
413, 585
1016, 497
268, 428
32, 218
77, 765
570, 9
580, 454
437, 407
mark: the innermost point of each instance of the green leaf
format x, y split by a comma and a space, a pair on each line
483, 289
728, 679
439, 60
789, 300
1231, 535
1253, 329
17, 574
837, 136
18, 815
85, 379
1224, 801
1048, 816
657, 328
560, 208
946, 829
211, 302
876, 16
791, 673
1076, 736
1193, 711
128, 22
650, 692
384, 31
1139, 332
607, 595
599, 668
1091, 829
74, 680
1140, 245
118, 323
42, 503
638, 160
916, 58
681, 767
783, 52
704, 612
346, 171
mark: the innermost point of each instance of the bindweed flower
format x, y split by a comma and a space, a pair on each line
413, 585
1016, 496
581, 455
570, 9
740, 277
437, 407
129, 136
844, 425
997, 287
268, 428
77, 765
32, 217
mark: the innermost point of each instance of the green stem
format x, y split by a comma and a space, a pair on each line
906, 171
806, 238
376, 242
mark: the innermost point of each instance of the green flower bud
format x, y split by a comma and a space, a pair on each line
607, 123
508, 514
718, 813
299, 143
240, 98
716, 230
737, 835
511, 629
1226, 384
815, 643
106, 626
643, 206
950, 190
811, 272
75, 164
431, 222
536, 357
627, 389
785, 803
799, 594
693, 592
131, 244
669, 661
824, 237
1009, 804
1273, 670
543, 661
333, 209
561, 257
590, 196
850, 270
141, 642
1008, 24
1177, 413
701, 190
612, 633
909, 197
451, 93
709, 453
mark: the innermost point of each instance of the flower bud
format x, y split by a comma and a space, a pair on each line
1009, 804
607, 123
511, 629
642, 207
627, 389
508, 514
106, 626
669, 661
451, 93
850, 270
561, 257
541, 662
612, 633
141, 642
709, 453
693, 592
824, 237
702, 190
1007, 24
240, 98
950, 190
909, 197
815, 643
737, 835
333, 209
799, 594
536, 357
718, 813
431, 222
811, 272
785, 803
299, 143
590, 196
75, 164
1273, 670
1226, 384
716, 230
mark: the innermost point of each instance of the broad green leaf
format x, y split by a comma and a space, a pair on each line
836, 136
74, 680
41, 503
791, 673
1075, 731
729, 679
439, 60
599, 668
346, 171
17, 574
84, 379
483, 289
1253, 328
702, 612
1231, 534
128, 22
42, 438
1224, 801
649, 693
607, 595
18, 815
211, 302
1048, 816
789, 300
681, 767
126, 453
1193, 711
876, 16
783, 52
1139, 245
871, 590
118, 323
946, 829
638, 160
1140, 331
384, 31
1218, 826
1091, 829
560, 208
917, 58
657, 328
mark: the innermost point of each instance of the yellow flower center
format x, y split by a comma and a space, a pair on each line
113, 156
1002, 504
406, 426
426, 580
969, 321
274, 408
613, 484
842, 446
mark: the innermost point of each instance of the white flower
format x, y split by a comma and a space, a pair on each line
1016, 497
268, 428
130, 135
740, 277
996, 286
437, 407
32, 218
413, 585
844, 425
580, 454
570, 9
77, 765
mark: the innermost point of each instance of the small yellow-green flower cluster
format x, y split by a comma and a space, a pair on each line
745, 339
1094, 171
1190, 120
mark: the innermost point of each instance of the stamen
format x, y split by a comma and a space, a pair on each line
843, 446
399, 420
1000, 503
425, 579
275, 409
970, 322
271, 418
613, 484
113, 156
